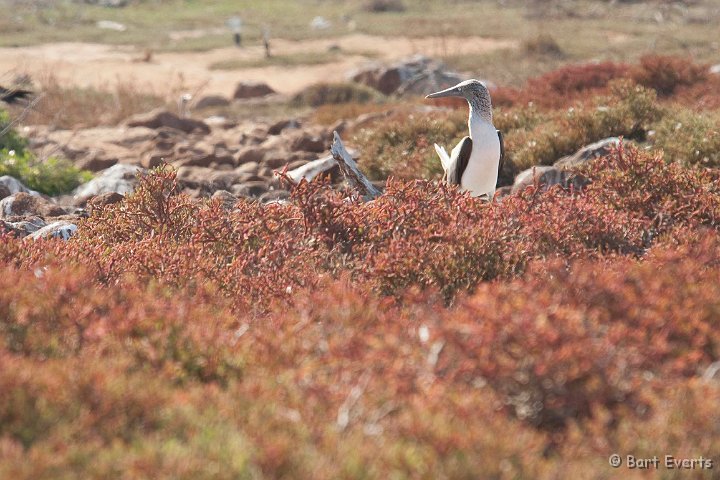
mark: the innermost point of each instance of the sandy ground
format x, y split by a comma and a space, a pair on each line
101, 66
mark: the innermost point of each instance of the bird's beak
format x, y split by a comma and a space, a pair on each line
448, 92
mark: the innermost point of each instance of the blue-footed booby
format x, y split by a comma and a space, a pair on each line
475, 162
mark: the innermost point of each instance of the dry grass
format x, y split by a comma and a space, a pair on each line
75, 107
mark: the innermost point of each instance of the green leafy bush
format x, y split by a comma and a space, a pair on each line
404, 148
53, 176
10, 140
690, 137
629, 111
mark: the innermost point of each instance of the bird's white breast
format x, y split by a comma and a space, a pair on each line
480, 176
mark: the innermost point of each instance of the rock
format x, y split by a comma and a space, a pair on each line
250, 189
277, 127
120, 178
23, 204
413, 76
588, 153
295, 164
96, 162
227, 199
217, 121
164, 118
276, 159
109, 24
503, 192
61, 229
340, 126
13, 185
108, 3
384, 79
248, 167
22, 228
274, 196
252, 90
545, 177
4, 191
210, 101
250, 155
98, 202
195, 174
305, 142
205, 160
153, 159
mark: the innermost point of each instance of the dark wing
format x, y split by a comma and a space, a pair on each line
13, 95
502, 151
459, 159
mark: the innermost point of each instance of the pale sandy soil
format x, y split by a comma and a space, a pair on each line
101, 66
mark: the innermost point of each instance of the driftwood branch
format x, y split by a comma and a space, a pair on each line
311, 170
351, 171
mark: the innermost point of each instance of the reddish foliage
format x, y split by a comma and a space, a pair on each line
563, 86
666, 73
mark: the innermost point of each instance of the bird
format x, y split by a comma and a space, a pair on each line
14, 95
476, 160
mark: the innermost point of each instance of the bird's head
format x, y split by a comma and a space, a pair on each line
468, 89
474, 91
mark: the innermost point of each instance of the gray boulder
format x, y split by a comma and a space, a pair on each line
545, 177
22, 228
413, 76
120, 178
24, 204
10, 186
588, 153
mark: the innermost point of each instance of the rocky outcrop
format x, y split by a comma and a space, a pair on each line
545, 177
24, 204
414, 76
163, 118
10, 186
588, 153
118, 178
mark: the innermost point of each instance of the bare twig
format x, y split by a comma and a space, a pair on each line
22, 115
351, 171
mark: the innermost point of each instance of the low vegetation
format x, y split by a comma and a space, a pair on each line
81, 107
52, 176
425, 334
335, 93
329, 338
555, 114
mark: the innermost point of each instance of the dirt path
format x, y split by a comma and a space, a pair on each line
101, 66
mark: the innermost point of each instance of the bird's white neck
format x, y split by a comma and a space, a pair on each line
478, 117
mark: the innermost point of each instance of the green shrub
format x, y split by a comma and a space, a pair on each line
690, 137
628, 111
404, 149
10, 140
54, 176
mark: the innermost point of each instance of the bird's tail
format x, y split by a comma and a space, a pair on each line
444, 157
